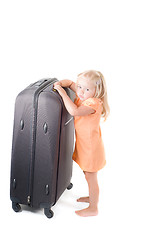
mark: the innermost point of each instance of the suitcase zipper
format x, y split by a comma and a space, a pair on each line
69, 121
34, 123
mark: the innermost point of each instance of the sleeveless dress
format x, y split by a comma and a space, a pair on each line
89, 151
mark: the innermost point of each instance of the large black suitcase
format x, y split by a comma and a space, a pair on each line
42, 147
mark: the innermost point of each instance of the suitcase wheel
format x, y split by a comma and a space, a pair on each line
48, 212
69, 186
16, 207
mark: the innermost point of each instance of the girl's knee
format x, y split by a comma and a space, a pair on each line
87, 176
90, 175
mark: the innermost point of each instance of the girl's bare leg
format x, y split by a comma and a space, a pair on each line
92, 210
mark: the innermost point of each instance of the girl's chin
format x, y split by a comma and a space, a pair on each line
81, 98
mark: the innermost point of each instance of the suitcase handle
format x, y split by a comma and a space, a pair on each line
40, 82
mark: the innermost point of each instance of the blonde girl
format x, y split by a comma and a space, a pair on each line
89, 106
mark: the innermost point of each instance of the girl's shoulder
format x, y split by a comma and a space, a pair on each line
94, 103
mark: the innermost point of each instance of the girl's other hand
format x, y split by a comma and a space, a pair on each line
57, 83
60, 90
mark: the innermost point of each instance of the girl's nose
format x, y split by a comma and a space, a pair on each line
81, 91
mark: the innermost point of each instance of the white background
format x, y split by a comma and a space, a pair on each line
61, 39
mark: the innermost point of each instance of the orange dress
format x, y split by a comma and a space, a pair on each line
89, 149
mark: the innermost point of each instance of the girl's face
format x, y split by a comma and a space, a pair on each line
85, 89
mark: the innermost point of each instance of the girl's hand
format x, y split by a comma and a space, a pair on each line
57, 83
60, 90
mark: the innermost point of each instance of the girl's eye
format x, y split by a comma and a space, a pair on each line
79, 86
87, 89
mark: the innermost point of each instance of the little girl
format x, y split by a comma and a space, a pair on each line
90, 104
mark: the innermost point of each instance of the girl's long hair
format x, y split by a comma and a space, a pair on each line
101, 89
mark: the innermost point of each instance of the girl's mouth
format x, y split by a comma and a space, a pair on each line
80, 96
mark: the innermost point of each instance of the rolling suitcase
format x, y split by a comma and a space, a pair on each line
42, 147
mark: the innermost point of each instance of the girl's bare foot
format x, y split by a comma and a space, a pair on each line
87, 212
83, 199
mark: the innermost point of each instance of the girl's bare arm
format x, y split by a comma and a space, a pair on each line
71, 107
66, 83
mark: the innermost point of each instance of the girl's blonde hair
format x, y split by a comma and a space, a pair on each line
101, 89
